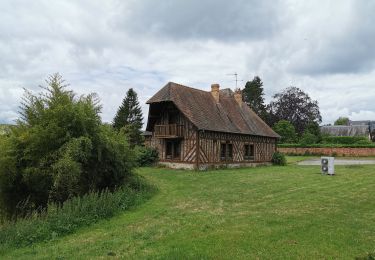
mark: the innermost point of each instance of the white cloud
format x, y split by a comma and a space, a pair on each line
322, 47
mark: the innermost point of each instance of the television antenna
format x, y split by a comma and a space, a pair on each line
236, 78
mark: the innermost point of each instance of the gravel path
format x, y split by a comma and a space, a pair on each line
338, 162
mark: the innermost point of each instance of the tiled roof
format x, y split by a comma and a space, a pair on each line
206, 114
341, 130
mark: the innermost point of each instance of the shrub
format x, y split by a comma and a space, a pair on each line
59, 149
346, 140
145, 156
58, 220
364, 141
371, 145
308, 138
286, 130
278, 159
314, 128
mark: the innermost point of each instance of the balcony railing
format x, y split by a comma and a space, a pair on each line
169, 131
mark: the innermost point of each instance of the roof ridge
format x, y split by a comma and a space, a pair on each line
180, 85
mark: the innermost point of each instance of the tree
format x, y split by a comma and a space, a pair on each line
129, 117
308, 138
253, 96
314, 129
286, 130
295, 106
342, 121
59, 149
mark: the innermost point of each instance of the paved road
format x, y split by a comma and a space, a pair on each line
338, 162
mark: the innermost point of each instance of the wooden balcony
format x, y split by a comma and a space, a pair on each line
169, 131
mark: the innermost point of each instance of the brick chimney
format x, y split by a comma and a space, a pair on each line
215, 91
238, 96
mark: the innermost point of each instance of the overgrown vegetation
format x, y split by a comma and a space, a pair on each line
351, 140
371, 145
332, 142
286, 130
278, 159
59, 149
4, 129
58, 220
146, 156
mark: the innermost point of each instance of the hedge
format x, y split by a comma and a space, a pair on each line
346, 140
371, 145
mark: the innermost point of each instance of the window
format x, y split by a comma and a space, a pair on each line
226, 151
249, 152
172, 150
230, 151
223, 151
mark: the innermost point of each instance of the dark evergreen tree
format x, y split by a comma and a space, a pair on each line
129, 118
253, 96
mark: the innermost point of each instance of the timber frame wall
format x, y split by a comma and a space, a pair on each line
208, 144
209, 148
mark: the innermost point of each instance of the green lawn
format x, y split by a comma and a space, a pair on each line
267, 212
296, 159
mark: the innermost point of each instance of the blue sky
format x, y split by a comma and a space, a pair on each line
323, 47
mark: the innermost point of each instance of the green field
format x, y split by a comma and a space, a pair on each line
267, 213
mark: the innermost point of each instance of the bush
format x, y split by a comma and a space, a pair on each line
59, 149
58, 220
278, 159
286, 130
314, 128
371, 145
308, 138
145, 156
346, 140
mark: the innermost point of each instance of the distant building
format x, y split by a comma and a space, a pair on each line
365, 128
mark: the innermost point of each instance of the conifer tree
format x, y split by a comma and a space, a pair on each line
129, 118
253, 96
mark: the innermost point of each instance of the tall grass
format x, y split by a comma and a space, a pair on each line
58, 220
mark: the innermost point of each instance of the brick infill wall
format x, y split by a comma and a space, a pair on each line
328, 151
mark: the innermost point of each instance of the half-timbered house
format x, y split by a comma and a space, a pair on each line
197, 129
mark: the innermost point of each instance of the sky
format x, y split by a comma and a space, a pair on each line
326, 48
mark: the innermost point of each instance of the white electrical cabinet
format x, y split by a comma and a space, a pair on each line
328, 165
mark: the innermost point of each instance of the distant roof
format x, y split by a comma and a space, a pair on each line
206, 114
341, 130
362, 122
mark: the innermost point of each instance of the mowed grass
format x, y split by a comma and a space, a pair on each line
266, 212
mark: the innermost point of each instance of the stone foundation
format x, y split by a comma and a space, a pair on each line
203, 167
